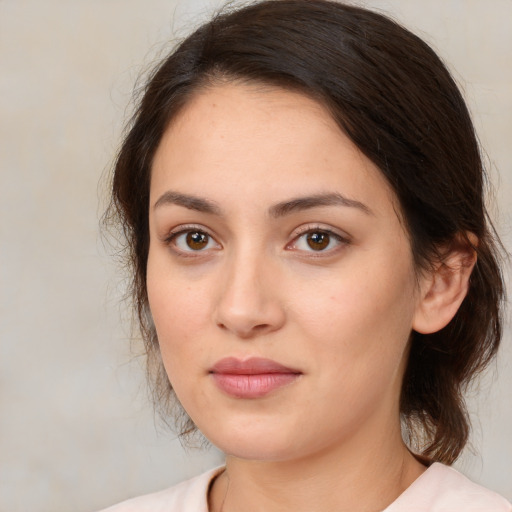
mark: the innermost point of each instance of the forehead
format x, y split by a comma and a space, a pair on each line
258, 140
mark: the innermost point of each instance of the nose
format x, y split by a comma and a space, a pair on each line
248, 303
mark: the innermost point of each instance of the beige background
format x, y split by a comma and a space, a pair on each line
76, 432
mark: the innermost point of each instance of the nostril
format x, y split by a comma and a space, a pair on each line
260, 327
246, 332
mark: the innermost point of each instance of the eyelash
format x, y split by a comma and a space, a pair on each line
301, 232
182, 230
342, 240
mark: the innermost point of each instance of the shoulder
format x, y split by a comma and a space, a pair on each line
443, 489
188, 496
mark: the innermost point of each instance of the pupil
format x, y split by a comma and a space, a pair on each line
318, 241
197, 240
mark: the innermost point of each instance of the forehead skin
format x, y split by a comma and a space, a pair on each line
202, 129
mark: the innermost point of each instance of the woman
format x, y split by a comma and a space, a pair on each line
315, 274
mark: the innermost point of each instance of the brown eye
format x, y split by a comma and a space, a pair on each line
196, 240
318, 240
192, 241
324, 242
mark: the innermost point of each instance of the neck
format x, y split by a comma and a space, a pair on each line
361, 475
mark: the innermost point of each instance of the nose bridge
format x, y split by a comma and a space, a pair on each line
244, 269
248, 302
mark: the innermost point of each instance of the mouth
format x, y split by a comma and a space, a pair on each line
252, 378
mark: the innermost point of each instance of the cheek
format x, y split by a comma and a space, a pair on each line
357, 303
362, 319
180, 311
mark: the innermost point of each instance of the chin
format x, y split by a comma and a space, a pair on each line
254, 442
264, 450
265, 441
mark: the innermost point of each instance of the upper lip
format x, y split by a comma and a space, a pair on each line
252, 366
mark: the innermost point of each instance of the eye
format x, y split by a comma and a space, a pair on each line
318, 240
192, 240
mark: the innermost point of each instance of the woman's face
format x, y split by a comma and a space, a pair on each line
280, 278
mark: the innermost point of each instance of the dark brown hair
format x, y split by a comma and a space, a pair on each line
391, 94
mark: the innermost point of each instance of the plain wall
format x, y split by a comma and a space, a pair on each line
76, 430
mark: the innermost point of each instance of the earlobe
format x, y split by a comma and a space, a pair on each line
444, 288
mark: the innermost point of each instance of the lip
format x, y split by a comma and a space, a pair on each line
251, 378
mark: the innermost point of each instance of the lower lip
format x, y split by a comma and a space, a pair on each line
252, 386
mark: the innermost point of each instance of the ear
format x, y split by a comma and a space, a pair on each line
443, 289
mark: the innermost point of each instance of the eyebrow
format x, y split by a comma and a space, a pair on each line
315, 201
203, 205
190, 202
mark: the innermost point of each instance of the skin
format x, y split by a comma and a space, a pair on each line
341, 315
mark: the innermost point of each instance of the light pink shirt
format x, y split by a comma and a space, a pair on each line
439, 489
